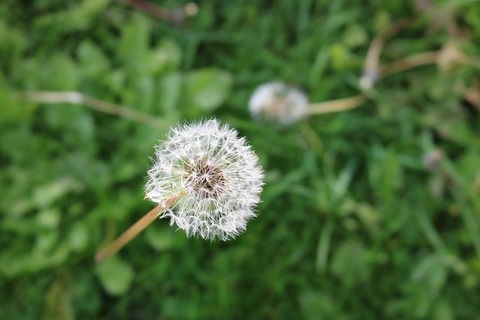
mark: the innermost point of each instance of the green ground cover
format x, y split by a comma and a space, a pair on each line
372, 213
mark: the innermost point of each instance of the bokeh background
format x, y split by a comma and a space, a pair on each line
372, 213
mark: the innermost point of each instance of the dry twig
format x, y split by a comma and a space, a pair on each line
175, 16
78, 98
337, 105
371, 72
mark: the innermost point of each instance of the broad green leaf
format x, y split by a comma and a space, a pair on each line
115, 275
12, 43
47, 194
58, 72
169, 94
385, 172
355, 36
134, 45
92, 59
443, 310
142, 98
78, 237
350, 263
160, 238
46, 241
429, 276
166, 57
76, 124
431, 273
340, 56
319, 305
207, 89
76, 17
49, 217
20, 259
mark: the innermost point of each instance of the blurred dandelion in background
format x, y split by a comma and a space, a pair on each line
279, 103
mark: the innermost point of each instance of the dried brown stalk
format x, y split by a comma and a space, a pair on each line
78, 98
175, 16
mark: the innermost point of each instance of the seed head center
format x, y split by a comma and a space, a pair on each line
205, 179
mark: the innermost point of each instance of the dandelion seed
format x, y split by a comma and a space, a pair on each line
278, 102
217, 171
205, 179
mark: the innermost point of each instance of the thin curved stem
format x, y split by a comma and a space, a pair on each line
175, 16
337, 105
410, 62
397, 66
425, 58
134, 230
371, 71
471, 61
78, 98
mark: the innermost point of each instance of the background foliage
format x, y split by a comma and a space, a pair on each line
357, 220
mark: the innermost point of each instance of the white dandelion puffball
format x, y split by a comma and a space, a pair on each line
278, 102
215, 173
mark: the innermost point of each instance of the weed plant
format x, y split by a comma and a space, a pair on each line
371, 213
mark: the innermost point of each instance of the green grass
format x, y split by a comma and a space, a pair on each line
352, 224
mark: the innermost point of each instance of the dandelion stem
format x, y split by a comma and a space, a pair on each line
337, 105
371, 71
134, 230
176, 16
78, 98
410, 62
425, 58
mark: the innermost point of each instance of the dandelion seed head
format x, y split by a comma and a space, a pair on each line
278, 102
215, 172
